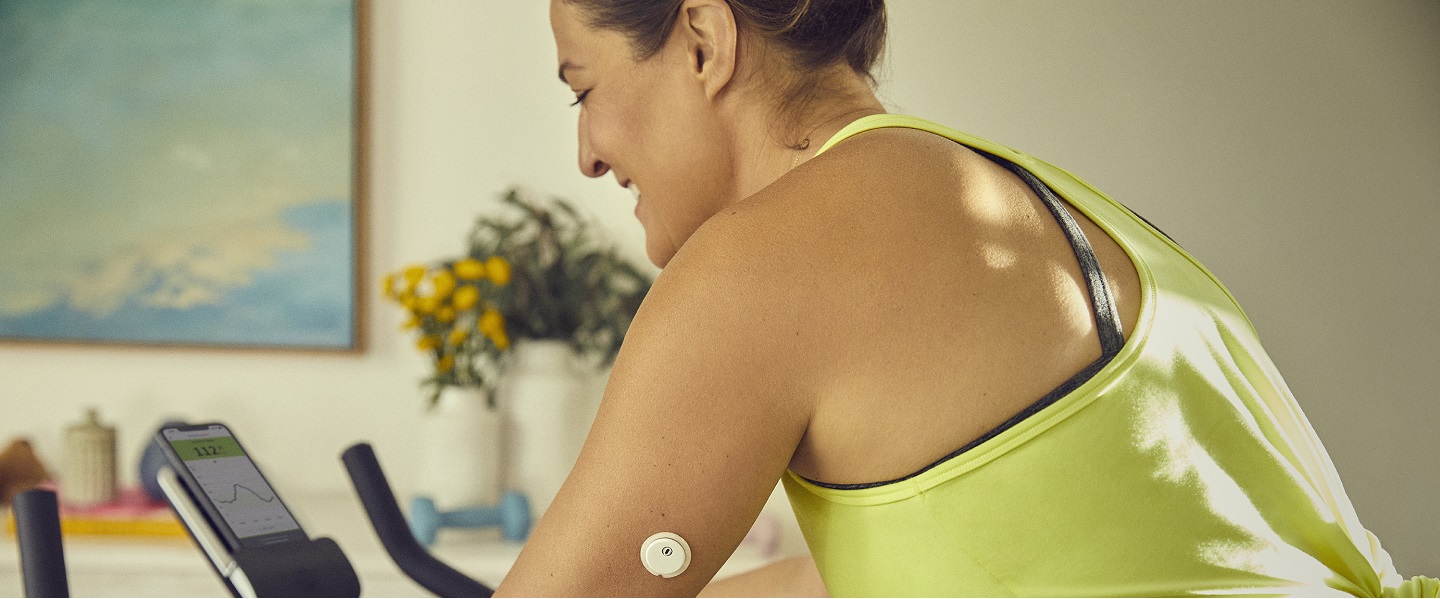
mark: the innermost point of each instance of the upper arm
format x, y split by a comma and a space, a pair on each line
702, 413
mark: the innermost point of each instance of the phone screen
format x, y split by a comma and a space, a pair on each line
219, 468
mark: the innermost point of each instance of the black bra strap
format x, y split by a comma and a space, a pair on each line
1102, 301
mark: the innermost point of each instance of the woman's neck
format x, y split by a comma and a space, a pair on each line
767, 148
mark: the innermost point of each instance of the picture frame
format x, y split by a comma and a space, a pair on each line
183, 174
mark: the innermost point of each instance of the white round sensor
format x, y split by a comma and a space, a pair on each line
665, 554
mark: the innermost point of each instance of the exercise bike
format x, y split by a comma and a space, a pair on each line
289, 567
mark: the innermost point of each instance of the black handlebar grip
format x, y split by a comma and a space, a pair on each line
384, 512
42, 555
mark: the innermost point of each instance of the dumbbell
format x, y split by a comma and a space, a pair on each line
512, 516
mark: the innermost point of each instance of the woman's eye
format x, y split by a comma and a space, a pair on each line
580, 98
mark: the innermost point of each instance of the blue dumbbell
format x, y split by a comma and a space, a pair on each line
512, 516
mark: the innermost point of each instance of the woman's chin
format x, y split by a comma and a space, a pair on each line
658, 252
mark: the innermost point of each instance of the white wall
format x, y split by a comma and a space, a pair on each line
1292, 145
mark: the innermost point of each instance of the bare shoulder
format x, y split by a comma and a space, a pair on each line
878, 186
770, 253
783, 266
892, 158
885, 174
740, 276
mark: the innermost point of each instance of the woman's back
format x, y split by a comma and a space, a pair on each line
1183, 466
946, 293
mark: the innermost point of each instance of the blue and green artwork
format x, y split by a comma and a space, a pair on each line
178, 173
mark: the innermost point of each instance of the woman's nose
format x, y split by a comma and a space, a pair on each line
592, 167
590, 164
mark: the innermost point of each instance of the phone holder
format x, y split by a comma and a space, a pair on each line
512, 515
308, 568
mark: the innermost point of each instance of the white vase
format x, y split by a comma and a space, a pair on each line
544, 400
461, 451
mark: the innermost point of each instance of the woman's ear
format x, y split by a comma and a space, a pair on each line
710, 36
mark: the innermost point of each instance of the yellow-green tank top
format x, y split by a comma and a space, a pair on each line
1182, 467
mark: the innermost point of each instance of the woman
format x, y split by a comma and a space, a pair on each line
974, 374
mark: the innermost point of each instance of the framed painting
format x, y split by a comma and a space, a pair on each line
182, 173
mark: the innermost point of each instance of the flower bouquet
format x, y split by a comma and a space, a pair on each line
540, 272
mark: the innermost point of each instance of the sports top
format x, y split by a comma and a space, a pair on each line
1177, 464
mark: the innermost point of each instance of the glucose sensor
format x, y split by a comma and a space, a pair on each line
665, 554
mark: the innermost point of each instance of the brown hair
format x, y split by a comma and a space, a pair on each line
814, 33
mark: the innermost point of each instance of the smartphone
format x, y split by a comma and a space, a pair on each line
222, 479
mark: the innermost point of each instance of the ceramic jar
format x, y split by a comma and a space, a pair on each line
461, 453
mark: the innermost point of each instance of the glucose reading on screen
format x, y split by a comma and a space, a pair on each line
230, 486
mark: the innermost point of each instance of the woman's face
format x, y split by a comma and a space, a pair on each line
649, 123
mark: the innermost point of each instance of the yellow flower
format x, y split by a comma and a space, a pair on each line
412, 323
413, 275
445, 315
466, 297
491, 323
428, 342
469, 269
410, 302
445, 364
444, 284
498, 269
427, 305
458, 336
387, 286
